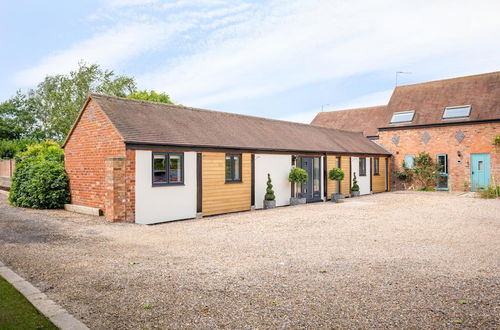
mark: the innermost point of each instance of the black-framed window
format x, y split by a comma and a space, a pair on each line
168, 168
376, 166
233, 168
362, 166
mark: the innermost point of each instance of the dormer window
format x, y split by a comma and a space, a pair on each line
402, 117
462, 111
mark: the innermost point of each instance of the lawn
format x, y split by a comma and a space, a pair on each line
16, 312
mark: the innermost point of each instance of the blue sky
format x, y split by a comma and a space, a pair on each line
279, 59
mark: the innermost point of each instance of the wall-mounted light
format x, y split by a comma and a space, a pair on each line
459, 154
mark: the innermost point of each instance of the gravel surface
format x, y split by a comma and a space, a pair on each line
392, 260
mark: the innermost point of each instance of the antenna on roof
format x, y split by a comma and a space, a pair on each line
322, 106
398, 73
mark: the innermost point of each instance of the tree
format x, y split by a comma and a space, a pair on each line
355, 186
18, 119
152, 96
296, 176
58, 99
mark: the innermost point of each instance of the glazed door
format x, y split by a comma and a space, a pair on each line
480, 171
442, 164
311, 189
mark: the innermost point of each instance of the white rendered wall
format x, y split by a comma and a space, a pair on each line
279, 167
363, 181
163, 203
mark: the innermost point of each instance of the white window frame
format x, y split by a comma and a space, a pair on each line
457, 107
400, 113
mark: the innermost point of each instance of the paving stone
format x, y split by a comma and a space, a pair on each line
10, 276
48, 307
66, 321
25, 288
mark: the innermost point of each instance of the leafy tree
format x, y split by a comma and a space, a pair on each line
18, 118
58, 99
9, 149
151, 95
269, 190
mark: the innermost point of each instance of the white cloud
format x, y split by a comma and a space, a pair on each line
289, 44
109, 49
242, 49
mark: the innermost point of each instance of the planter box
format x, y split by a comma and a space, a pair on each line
354, 193
297, 200
269, 204
337, 198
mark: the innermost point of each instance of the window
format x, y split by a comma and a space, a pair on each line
362, 166
376, 166
402, 117
457, 112
233, 168
168, 168
409, 161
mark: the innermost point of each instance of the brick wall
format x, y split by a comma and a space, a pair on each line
477, 138
7, 167
94, 141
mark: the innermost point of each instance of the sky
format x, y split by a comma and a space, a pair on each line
284, 59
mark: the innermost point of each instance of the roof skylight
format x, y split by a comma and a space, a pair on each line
402, 117
462, 111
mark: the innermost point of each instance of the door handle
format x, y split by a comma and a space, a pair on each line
472, 172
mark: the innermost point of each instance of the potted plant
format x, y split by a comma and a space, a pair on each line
269, 198
355, 187
336, 174
297, 176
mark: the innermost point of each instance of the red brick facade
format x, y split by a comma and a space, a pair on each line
97, 178
477, 138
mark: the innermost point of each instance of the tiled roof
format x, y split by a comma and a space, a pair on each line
366, 120
430, 99
141, 122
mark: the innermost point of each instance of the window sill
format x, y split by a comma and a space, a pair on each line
167, 184
231, 182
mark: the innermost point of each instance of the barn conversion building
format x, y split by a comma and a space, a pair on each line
454, 120
149, 162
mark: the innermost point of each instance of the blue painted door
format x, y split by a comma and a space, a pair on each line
480, 171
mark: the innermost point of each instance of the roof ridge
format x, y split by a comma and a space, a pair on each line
217, 111
448, 79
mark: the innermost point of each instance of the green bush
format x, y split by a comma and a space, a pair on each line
425, 171
336, 174
490, 192
496, 140
40, 180
269, 190
355, 186
9, 149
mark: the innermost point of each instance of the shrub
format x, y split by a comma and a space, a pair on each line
355, 186
269, 190
40, 180
490, 192
336, 174
296, 176
425, 171
496, 140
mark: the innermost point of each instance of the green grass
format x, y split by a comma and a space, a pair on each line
16, 312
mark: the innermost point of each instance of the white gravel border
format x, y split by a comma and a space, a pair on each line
55, 313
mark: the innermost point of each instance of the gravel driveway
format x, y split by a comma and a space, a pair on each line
402, 259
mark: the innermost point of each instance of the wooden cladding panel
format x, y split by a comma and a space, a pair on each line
378, 181
345, 165
218, 196
331, 162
